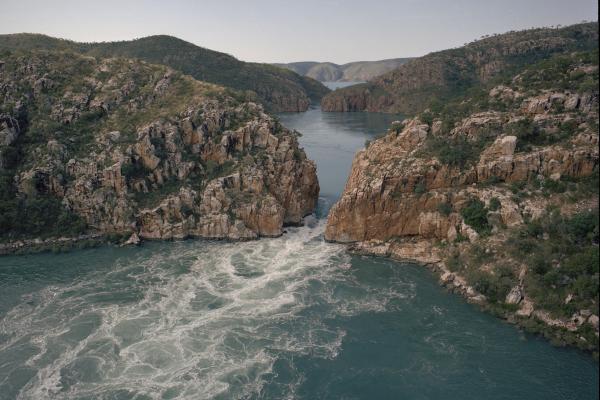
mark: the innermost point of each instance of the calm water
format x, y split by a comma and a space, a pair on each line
286, 318
332, 139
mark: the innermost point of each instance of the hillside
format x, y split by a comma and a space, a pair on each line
276, 88
351, 72
439, 77
496, 191
119, 147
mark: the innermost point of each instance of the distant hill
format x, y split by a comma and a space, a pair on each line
277, 88
350, 72
441, 76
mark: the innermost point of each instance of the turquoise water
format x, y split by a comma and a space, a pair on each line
286, 318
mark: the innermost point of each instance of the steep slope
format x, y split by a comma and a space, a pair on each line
498, 192
350, 72
431, 80
277, 88
118, 146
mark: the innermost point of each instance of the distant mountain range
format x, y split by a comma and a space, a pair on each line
357, 71
277, 88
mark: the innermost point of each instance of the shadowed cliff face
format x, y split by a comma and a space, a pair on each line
440, 76
489, 191
124, 146
277, 89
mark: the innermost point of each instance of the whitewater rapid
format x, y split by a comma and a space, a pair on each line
198, 322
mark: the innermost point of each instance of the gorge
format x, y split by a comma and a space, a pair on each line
280, 317
494, 189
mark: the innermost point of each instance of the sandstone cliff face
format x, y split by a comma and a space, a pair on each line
489, 201
393, 191
138, 148
417, 84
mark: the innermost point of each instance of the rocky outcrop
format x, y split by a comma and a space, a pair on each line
416, 85
393, 192
196, 162
460, 196
363, 97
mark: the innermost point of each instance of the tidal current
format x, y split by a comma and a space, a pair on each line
286, 318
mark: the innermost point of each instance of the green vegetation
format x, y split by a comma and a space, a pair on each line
494, 287
445, 209
563, 260
454, 151
215, 170
529, 134
61, 123
134, 170
420, 188
565, 263
42, 215
272, 85
474, 214
532, 78
558, 72
442, 80
494, 204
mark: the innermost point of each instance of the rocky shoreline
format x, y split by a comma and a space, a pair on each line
426, 254
30, 246
501, 201
64, 244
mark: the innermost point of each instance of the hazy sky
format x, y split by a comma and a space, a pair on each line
285, 31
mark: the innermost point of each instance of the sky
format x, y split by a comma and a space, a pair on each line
285, 31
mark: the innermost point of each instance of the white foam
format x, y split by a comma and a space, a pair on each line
216, 329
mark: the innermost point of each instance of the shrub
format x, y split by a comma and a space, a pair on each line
495, 288
426, 118
540, 264
475, 215
494, 204
133, 170
215, 170
554, 186
445, 208
457, 152
583, 226
9, 157
460, 238
420, 188
453, 262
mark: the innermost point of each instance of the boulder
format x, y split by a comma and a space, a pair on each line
134, 240
514, 296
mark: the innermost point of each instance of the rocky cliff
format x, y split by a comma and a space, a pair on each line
117, 146
498, 192
437, 77
277, 89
